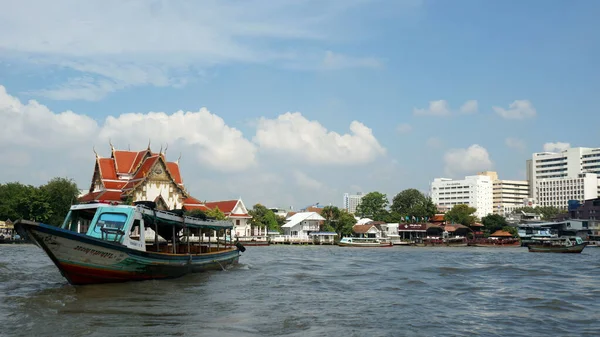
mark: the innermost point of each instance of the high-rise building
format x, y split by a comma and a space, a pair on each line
557, 177
351, 201
508, 195
475, 191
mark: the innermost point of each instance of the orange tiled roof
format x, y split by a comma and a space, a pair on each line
501, 233
361, 229
174, 170
226, 206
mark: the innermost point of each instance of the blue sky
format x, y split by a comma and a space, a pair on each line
431, 88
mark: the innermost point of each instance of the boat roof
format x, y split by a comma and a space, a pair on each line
162, 217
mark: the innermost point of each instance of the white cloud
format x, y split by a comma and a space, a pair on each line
519, 109
556, 147
469, 107
208, 137
32, 127
404, 128
515, 143
467, 161
436, 108
309, 141
306, 182
434, 142
112, 45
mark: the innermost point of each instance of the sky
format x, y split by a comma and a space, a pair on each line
292, 103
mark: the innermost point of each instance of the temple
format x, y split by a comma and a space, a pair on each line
129, 176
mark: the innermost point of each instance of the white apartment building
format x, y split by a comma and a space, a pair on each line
351, 201
508, 195
475, 191
571, 174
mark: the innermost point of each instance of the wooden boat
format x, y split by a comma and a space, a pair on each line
496, 243
113, 248
364, 242
563, 244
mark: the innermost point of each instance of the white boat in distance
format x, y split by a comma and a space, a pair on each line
364, 242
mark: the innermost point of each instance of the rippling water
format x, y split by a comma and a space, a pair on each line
318, 291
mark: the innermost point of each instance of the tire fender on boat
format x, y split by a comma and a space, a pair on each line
240, 247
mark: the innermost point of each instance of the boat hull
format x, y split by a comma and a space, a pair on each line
575, 249
365, 244
497, 245
86, 260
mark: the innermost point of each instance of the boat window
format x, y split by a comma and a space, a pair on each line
134, 234
111, 220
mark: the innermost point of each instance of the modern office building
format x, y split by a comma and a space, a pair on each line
557, 177
475, 191
507, 195
351, 201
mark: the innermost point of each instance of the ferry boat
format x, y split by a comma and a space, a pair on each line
364, 242
114, 249
562, 244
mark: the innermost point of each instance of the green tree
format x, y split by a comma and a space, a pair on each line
548, 212
512, 230
262, 216
331, 215
343, 225
493, 222
196, 213
216, 214
412, 202
373, 205
61, 194
462, 214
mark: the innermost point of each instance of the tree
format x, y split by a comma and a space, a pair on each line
331, 215
343, 225
261, 217
512, 230
546, 212
462, 214
196, 213
493, 222
61, 193
373, 205
412, 202
216, 214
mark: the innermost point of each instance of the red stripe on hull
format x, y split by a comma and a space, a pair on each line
80, 275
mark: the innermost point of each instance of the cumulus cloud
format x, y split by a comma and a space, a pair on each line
519, 109
442, 108
334, 61
306, 182
203, 135
556, 147
469, 107
404, 128
293, 134
467, 161
436, 108
515, 143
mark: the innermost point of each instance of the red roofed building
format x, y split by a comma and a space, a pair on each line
138, 175
148, 176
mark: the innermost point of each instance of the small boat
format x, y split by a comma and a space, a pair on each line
458, 241
563, 244
112, 247
496, 243
364, 242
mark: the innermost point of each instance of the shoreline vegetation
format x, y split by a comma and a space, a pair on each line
49, 203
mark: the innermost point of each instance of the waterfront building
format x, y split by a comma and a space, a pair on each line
351, 201
475, 191
302, 224
507, 195
557, 177
130, 176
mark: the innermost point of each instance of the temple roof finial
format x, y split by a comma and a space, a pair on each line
112, 148
160, 151
149, 144
96, 153
178, 158
166, 147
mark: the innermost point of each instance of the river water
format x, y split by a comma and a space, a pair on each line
318, 291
